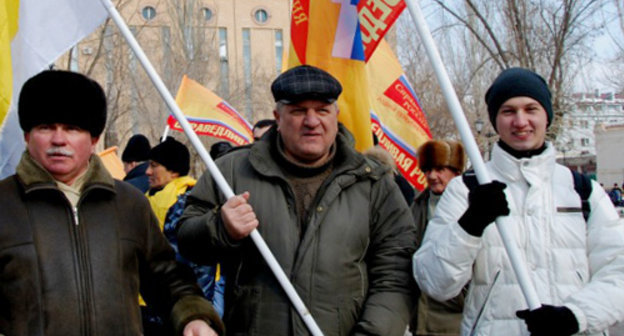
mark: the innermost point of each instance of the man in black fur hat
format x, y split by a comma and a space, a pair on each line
77, 246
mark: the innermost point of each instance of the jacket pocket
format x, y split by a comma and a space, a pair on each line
242, 313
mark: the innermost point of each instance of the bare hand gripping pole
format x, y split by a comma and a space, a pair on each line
502, 223
214, 171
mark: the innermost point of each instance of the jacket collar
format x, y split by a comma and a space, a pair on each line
535, 169
33, 176
137, 171
346, 158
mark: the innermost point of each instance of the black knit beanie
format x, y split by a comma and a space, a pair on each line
173, 155
137, 149
55, 96
518, 82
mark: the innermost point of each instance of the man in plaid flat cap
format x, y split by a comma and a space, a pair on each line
335, 221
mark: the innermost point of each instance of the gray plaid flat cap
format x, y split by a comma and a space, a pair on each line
305, 82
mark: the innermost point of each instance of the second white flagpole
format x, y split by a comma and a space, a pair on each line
502, 223
212, 167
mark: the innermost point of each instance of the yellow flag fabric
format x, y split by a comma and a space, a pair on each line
345, 38
8, 28
33, 34
338, 36
210, 115
397, 119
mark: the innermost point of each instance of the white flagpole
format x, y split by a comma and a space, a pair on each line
166, 133
502, 223
214, 171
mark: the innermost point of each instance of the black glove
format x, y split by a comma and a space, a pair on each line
485, 203
549, 320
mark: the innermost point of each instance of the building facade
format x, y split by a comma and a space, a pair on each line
233, 47
577, 144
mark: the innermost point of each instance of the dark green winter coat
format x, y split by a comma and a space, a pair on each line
351, 267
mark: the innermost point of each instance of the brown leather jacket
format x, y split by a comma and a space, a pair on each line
78, 271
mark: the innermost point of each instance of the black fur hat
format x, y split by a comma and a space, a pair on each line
137, 149
55, 96
173, 155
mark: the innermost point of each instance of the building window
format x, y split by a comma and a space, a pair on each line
148, 12
207, 14
584, 142
223, 64
247, 71
260, 15
279, 50
584, 124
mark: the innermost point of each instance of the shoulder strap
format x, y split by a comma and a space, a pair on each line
583, 187
470, 179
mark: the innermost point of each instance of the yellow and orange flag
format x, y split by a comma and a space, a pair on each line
338, 36
397, 119
341, 37
210, 115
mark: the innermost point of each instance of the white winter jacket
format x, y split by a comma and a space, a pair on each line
571, 262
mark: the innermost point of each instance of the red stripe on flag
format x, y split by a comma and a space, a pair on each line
376, 18
210, 129
406, 162
401, 95
299, 27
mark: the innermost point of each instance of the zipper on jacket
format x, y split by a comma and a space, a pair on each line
475, 326
82, 270
75, 214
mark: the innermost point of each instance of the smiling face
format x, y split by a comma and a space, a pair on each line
63, 150
308, 129
521, 123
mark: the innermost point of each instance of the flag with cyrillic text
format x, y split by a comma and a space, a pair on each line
397, 118
339, 36
33, 34
210, 115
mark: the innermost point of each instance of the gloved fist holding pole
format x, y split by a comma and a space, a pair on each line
550, 321
485, 203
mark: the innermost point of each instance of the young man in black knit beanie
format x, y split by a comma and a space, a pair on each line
576, 265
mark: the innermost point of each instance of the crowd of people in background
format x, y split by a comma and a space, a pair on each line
163, 253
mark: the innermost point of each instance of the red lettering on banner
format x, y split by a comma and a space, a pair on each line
404, 160
376, 17
299, 28
209, 129
400, 94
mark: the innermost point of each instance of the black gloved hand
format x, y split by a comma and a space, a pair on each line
485, 203
550, 320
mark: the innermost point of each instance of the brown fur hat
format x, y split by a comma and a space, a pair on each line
441, 153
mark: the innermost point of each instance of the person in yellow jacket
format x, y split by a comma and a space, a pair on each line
169, 164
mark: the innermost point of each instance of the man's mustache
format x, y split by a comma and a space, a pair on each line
60, 151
